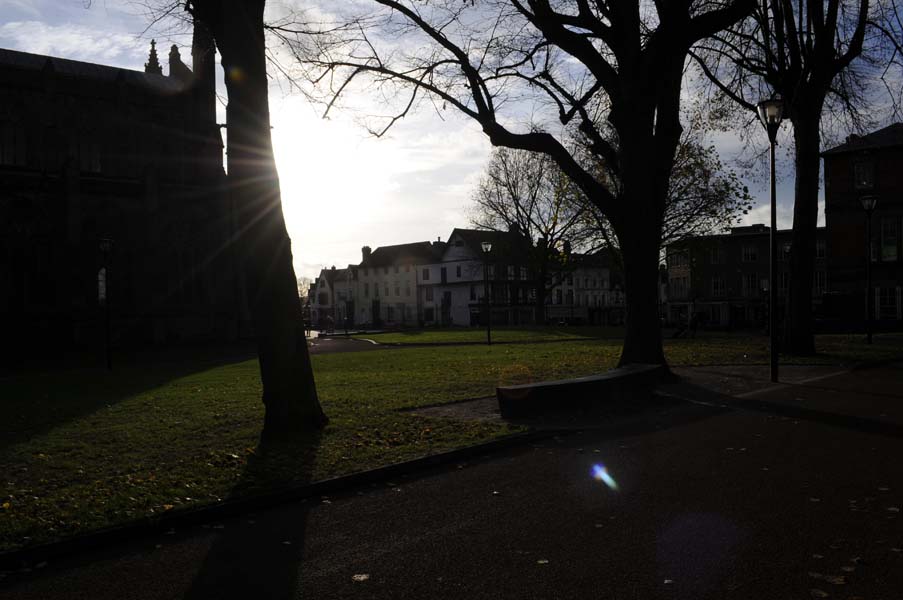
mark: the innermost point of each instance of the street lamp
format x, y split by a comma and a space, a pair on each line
103, 293
770, 112
487, 248
869, 203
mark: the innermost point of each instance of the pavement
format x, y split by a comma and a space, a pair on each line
772, 492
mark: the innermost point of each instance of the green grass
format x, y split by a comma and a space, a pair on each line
499, 334
87, 449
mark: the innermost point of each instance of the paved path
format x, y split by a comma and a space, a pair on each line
710, 503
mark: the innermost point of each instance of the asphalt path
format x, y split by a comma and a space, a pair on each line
330, 345
700, 502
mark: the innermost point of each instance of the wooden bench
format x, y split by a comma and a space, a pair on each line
611, 391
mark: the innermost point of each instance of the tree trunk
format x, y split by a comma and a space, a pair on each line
799, 337
640, 249
289, 391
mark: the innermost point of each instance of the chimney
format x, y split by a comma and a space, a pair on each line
365, 253
153, 65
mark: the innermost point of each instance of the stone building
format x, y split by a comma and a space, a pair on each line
111, 183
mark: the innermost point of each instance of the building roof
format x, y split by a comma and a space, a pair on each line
90, 71
889, 137
505, 244
416, 252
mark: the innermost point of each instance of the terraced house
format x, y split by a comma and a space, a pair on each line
446, 284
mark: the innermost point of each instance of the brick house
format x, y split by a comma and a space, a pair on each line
869, 165
725, 277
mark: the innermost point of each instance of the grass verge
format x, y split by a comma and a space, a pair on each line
87, 449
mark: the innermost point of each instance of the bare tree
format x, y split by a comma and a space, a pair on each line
814, 54
527, 192
289, 391
617, 64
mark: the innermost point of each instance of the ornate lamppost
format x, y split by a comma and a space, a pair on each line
770, 112
487, 248
869, 203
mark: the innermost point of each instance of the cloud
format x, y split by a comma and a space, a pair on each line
76, 42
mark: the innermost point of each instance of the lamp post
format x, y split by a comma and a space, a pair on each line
868, 205
770, 112
487, 248
103, 294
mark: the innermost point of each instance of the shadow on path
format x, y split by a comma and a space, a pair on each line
260, 556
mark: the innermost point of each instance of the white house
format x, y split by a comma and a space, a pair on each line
444, 284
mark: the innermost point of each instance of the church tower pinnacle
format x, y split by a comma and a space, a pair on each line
153, 64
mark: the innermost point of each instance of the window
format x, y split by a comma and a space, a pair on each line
396, 269
407, 290
390, 313
820, 249
558, 296
366, 290
570, 280
887, 303
750, 254
12, 144
523, 273
511, 272
322, 298
491, 271
717, 286
429, 294
458, 271
750, 285
821, 282
783, 282
428, 314
784, 254
570, 297
716, 254
386, 289
864, 175
397, 289
473, 293
889, 238
426, 275
586, 282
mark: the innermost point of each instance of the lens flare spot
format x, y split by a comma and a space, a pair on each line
236, 74
601, 473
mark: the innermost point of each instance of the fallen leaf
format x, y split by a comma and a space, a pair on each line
360, 577
6, 505
893, 509
836, 579
542, 561
668, 581
896, 549
883, 489
816, 593
167, 507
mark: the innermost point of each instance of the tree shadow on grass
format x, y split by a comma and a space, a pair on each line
36, 402
259, 555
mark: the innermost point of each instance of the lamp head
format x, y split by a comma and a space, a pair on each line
487, 247
869, 202
771, 112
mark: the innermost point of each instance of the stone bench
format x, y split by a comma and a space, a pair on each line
611, 391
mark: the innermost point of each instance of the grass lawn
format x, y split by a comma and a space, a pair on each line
499, 334
85, 449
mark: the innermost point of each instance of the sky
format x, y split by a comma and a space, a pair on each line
342, 188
